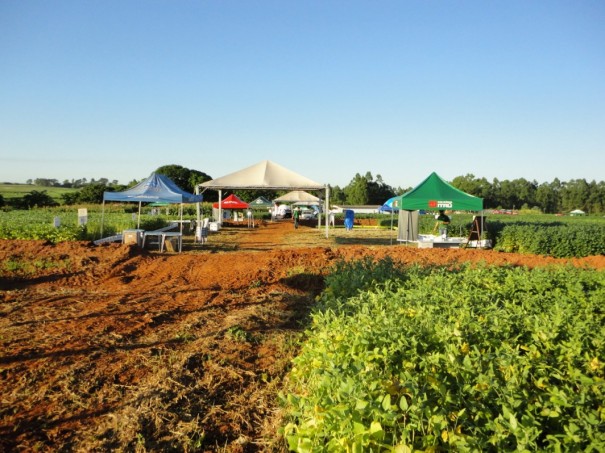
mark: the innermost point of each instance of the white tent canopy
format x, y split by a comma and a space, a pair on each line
265, 175
298, 196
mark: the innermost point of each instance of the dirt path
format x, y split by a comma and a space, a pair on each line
113, 347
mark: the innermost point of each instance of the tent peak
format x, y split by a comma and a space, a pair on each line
436, 193
155, 188
263, 175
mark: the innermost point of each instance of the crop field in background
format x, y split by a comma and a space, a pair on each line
19, 190
548, 235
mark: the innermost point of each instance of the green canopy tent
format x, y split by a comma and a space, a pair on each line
432, 194
260, 203
435, 193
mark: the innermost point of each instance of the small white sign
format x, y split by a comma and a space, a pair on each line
82, 216
57, 222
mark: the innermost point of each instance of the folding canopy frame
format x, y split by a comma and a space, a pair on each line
387, 206
157, 188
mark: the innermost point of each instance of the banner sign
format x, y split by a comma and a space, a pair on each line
441, 204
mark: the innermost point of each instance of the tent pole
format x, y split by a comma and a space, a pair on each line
181, 231
197, 209
139, 218
482, 226
102, 218
392, 211
220, 207
326, 213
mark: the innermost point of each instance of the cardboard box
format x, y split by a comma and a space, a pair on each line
132, 237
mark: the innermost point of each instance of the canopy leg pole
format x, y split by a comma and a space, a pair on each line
220, 207
139, 218
198, 209
181, 231
102, 218
326, 209
482, 227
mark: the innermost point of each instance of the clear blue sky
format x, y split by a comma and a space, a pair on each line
115, 89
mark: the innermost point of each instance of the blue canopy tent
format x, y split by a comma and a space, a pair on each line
157, 188
388, 206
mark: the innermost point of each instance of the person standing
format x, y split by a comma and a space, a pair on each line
442, 222
296, 216
332, 217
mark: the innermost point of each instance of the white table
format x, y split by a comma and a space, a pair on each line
441, 243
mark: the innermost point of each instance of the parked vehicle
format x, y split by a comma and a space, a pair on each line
283, 211
308, 214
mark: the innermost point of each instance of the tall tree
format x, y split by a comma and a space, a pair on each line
466, 183
357, 191
37, 199
575, 195
379, 191
337, 195
183, 177
596, 197
547, 198
92, 193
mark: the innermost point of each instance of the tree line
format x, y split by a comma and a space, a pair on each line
73, 184
549, 197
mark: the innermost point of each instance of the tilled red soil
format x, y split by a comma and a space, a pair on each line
116, 348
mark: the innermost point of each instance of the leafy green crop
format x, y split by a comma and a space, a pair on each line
39, 224
552, 239
495, 359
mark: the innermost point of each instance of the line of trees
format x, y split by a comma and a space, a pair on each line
548, 197
364, 190
553, 197
73, 184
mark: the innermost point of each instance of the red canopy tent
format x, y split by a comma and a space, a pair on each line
231, 202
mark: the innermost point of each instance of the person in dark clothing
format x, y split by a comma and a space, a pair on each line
296, 216
442, 222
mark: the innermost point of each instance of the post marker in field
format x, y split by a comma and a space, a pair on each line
82, 216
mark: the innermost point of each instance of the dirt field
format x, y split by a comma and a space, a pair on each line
116, 348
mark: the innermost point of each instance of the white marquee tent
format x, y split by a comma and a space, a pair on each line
266, 175
298, 197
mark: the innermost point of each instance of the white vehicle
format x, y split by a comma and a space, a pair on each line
308, 214
283, 211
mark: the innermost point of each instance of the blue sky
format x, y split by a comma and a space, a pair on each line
115, 89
